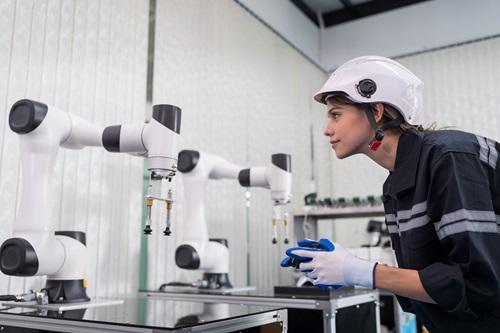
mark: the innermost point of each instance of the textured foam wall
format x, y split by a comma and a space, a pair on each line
88, 58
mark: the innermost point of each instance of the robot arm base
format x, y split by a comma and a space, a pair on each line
215, 281
66, 291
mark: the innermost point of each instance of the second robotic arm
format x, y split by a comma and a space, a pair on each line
278, 178
198, 251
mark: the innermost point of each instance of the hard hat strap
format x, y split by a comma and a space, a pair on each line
379, 131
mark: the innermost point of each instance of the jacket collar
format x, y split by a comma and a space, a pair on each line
405, 169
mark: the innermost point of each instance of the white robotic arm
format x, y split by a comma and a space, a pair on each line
278, 178
35, 248
196, 169
198, 251
156, 140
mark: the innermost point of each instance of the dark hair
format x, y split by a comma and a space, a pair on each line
390, 113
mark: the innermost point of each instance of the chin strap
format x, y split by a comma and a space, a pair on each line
379, 131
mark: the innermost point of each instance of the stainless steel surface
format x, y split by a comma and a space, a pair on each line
95, 302
240, 299
345, 212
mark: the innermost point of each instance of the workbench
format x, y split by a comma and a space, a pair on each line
141, 314
353, 310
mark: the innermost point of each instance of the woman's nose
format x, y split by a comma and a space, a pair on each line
329, 130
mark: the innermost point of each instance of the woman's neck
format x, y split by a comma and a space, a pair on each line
385, 155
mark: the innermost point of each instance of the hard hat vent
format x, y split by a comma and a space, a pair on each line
366, 88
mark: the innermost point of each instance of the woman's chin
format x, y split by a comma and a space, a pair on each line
341, 154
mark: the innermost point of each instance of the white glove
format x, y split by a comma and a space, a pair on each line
337, 267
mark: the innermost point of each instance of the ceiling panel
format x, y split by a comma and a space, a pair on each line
340, 11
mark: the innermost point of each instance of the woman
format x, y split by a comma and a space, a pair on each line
441, 200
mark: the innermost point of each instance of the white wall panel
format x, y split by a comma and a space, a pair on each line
460, 91
88, 58
245, 94
284, 17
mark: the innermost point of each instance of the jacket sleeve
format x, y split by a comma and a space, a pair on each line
467, 282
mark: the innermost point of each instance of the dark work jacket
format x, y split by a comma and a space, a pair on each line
442, 206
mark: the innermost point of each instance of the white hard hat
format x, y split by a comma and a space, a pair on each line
372, 79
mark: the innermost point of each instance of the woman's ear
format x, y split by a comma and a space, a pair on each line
378, 111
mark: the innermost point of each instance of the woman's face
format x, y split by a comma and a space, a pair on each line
348, 129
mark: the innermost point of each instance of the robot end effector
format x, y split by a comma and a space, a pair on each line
278, 178
157, 140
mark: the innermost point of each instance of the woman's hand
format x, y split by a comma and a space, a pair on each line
334, 266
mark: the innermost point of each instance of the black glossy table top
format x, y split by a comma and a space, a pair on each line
149, 312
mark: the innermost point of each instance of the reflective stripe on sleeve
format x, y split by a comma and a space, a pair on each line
483, 150
465, 214
492, 160
414, 223
470, 226
397, 223
393, 229
415, 210
487, 151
